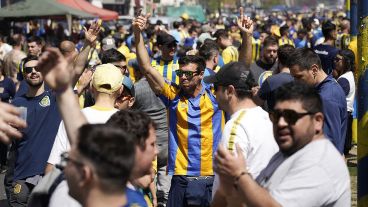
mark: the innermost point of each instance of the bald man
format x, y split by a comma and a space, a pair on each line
67, 48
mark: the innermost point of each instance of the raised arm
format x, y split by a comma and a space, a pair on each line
58, 75
154, 78
246, 27
90, 41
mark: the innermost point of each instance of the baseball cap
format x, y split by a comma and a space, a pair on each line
205, 36
108, 43
233, 73
107, 78
165, 39
128, 84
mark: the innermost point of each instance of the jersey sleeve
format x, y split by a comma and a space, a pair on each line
168, 93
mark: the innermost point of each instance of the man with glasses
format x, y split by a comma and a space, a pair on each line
28, 156
306, 66
195, 120
249, 126
307, 167
98, 167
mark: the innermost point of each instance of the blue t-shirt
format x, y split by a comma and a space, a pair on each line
135, 198
34, 148
266, 92
7, 89
326, 53
334, 110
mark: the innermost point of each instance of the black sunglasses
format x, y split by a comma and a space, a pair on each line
290, 116
28, 70
64, 161
187, 74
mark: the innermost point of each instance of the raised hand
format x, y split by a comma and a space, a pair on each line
92, 33
9, 122
56, 70
139, 23
245, 24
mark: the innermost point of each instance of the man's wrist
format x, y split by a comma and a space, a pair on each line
239, 176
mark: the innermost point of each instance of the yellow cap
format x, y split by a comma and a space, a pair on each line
107, 78
275, 30
185, 16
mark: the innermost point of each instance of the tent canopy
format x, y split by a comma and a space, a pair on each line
194, 12
39, 8
85, 6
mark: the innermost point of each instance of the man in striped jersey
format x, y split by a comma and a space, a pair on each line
195, 120
249, 126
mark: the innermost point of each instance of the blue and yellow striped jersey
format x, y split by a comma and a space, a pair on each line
286, 41
195, 126
230, 54
256, 49
167, 68
342, 41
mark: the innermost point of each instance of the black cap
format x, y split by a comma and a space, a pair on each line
233, 73
165, 39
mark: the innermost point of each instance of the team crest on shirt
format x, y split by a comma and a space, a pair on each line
45, 101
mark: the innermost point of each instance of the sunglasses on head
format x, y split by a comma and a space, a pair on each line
28, 70
290, 116
187, 74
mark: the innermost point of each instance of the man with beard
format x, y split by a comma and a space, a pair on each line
29, 155
194, 118
264, 67
307, 167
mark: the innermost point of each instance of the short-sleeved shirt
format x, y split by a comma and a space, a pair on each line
230, 54
261, 71
315, 175
334, 110
326, 53
266, 92
195, 125
93, 114
34, 148
167, 68
251, 128
7, 89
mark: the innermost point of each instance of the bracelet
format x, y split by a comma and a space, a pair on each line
237, 178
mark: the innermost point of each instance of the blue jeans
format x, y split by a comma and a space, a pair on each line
188, 191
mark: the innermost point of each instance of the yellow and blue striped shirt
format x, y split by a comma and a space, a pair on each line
195, 126
256, 49
286, 41
167, 68
230, 54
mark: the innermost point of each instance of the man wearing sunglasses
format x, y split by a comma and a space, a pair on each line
305, 65
194, 118
249, 126
28, 156
307, 167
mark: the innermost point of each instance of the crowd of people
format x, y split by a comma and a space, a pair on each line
257, 112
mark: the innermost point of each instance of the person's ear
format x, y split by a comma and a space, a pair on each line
131, 102
318, 122
86, 176
315, 69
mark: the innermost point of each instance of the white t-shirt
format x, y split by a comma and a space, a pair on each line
252, 130
93, 114
316, 175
